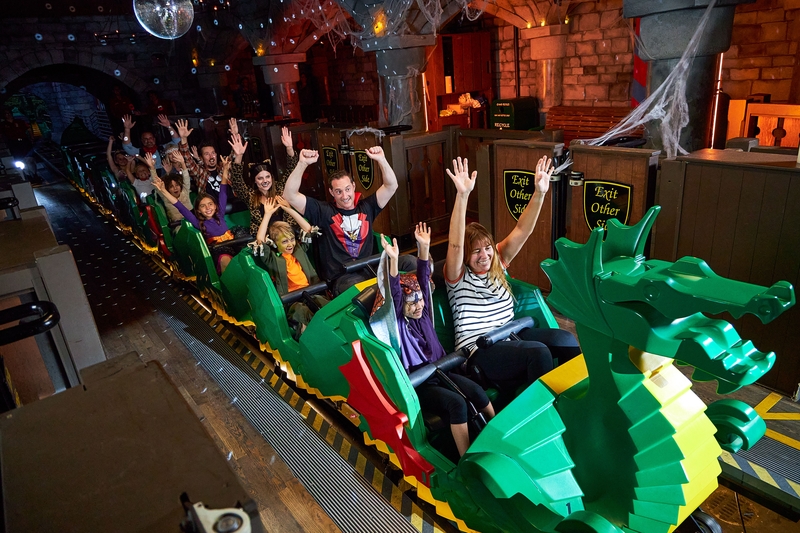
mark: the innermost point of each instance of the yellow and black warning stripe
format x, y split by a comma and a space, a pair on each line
759, 469
754, 477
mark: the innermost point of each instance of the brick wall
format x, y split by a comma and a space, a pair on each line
503, 54
597, 68
763, 52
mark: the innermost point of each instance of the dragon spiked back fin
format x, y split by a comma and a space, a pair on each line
572, 276
628, 241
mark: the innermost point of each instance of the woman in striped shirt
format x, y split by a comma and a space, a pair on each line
480, 296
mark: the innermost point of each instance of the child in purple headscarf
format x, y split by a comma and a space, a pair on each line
419, 344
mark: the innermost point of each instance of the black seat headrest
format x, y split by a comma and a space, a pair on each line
437, 274
235, 205
365, 300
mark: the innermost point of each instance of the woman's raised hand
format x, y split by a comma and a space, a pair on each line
158, 183
149, 161
270, 206
461, 178
286, 137
392, 250
282, 203
422, 234
233, 126
544, 169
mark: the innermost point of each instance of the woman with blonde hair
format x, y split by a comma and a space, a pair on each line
480, 296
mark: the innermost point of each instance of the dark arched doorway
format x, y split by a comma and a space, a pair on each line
70, 92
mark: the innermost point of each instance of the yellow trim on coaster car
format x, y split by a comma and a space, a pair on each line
286, 367
566, 376
694, 432
442, 508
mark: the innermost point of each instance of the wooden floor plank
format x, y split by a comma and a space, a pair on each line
134, 325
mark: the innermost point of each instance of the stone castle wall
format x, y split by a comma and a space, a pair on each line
764, 52
597, 68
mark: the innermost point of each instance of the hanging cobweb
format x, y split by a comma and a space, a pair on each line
379, 134
667, 105
365, 24
401, 101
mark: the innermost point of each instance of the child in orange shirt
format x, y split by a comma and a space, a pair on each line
288, 264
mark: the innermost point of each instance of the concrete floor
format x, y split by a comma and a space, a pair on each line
739, 514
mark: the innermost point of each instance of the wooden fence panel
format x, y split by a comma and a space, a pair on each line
740, 212
522, 155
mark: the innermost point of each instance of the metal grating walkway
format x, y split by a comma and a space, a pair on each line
351, 502
775, 457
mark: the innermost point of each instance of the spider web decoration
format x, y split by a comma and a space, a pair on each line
402, 100
667, 104
367, 23
471, 13
379, 134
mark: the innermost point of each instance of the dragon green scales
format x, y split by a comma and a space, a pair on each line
642, 443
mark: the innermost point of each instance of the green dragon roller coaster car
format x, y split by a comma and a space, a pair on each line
613, 440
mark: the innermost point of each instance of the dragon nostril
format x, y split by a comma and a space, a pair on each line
765, 310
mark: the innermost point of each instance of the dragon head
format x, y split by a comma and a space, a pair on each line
660, 307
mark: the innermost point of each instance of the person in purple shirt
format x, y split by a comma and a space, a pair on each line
419, 344
208, 217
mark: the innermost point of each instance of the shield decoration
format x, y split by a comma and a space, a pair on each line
364, 169
603, 200
519, 186
330, 156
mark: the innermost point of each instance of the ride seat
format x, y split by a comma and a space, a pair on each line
363, 303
